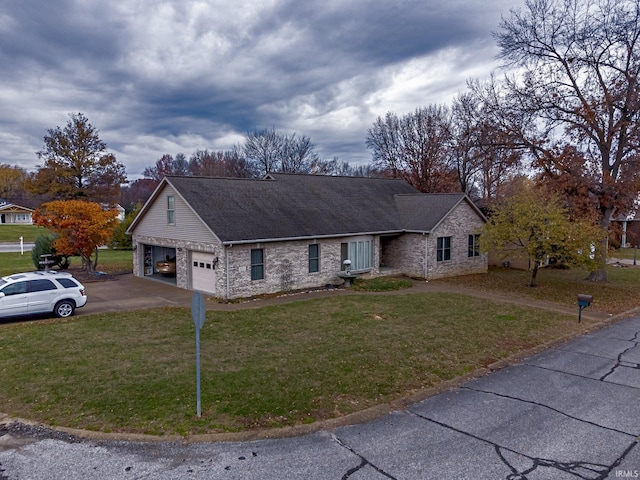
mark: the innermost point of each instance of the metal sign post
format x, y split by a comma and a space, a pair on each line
198, 312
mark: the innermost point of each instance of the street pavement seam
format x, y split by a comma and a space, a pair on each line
549, 407
576, 468
363, 461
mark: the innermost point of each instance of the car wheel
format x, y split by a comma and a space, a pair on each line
64, 308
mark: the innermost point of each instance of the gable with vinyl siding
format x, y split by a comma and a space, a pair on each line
187, 225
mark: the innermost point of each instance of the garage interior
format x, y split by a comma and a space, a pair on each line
153, 254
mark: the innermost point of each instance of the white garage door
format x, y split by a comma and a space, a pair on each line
203, 273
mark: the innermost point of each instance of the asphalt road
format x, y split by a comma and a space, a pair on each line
572, 412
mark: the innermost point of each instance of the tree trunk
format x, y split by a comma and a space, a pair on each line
94, 264
600, 253
534, 274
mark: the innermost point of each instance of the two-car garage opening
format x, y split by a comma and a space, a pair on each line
161, 263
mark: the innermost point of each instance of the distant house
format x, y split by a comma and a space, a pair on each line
118, 208
625, 230
14, 214
235, 238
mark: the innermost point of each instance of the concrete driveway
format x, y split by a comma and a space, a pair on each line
128, 292
572, 412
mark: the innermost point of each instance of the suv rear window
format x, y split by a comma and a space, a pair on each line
67, 282
41, 285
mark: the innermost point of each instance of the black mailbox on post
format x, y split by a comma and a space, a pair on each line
583, 302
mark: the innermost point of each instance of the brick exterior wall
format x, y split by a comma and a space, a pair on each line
286, 264
415, 254
405, 253
286, 267
458, 225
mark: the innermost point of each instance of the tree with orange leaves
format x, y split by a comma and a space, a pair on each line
82, 227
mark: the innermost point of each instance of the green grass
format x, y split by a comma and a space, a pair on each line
381, 284
12, 233
620, 293
276, 366
627, 253
110, 261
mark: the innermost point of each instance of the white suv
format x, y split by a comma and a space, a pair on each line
34, 293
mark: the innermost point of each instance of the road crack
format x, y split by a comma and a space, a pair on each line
521, 465
363, 461
542, 405
620, 362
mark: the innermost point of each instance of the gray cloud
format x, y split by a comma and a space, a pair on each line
177, 75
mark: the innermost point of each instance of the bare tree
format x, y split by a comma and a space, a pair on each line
180, 165
501, 137
298, 154
579, 63
229, 163
273, 151
164, 166
264, 147
466, 151
415, 147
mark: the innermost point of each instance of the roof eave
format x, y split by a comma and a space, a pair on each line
463, 198
152, 198
309, 237
143, 210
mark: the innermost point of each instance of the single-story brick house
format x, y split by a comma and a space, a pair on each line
235, 238
15, 214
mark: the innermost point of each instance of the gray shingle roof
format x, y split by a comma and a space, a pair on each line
303, 206
423, 212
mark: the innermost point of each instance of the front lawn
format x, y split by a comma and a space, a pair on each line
12, 233
626, 253
275, 366
109, 261
620, 293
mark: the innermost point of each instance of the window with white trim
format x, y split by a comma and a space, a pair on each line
171, 210
443, 250
474, 245
314, 258
359, 252
257, 263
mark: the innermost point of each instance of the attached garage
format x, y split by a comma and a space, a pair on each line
203, 272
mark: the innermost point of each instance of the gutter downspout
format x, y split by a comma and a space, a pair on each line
426, 255
226, 254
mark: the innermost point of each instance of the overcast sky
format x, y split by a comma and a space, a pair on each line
175, 76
